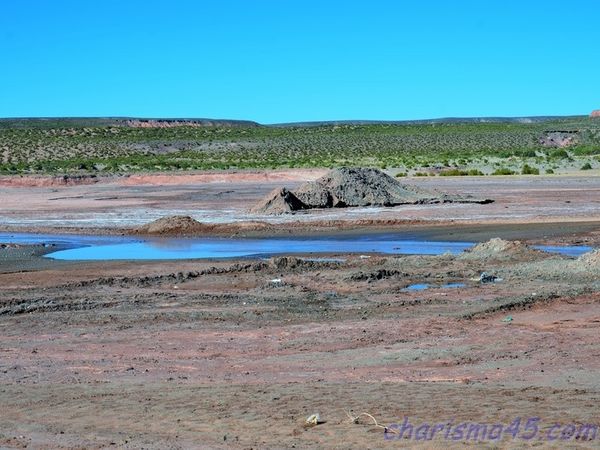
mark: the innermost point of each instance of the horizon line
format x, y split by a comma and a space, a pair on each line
330, 121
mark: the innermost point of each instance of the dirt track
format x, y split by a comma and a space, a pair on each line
207, 354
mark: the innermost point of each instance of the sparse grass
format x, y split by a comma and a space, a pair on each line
460, 173
503, 171
525, 153
584, 150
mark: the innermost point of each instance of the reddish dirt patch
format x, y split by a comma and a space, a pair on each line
223, 177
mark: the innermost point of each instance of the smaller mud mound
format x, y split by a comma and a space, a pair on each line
590, 259
187, 226
279, 201
497, 248
172, 225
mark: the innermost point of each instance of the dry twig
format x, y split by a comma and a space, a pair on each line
355, 419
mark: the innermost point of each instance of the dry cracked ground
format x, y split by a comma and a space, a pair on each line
237, 354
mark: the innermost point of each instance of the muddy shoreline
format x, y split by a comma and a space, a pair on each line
579, 232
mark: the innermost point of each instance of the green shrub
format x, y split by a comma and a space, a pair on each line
460, 173
420, 174
587, 150
475, 173
400, 174
453, 173
549, 171
586, 166
559, 154
528, 170
525, 153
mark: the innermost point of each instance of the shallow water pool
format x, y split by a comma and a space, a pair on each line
101, 248
229, 248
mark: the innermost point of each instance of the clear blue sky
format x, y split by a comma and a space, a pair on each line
279, 61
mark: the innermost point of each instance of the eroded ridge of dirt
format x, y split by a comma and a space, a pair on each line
559, 139
237, 354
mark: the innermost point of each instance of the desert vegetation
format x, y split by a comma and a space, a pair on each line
436, 148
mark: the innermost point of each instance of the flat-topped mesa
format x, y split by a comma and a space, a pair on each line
595, 113
351, 187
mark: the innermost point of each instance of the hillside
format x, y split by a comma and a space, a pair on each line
442, 146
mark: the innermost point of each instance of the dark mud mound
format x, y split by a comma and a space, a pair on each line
351, 187
172, 225
279, 201
359, 187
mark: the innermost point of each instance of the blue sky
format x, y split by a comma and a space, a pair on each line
281, 61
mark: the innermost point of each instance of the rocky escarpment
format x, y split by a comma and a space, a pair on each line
172, 123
